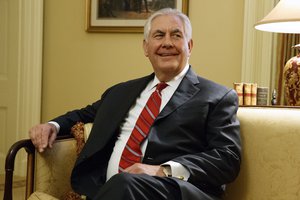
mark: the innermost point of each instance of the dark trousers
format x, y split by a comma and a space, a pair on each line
125, 186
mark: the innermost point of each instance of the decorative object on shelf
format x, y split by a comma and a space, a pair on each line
291, 74
274, 98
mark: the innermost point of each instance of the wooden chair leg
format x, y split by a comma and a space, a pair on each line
30, 174
10, 165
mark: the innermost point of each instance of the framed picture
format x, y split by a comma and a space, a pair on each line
125, 15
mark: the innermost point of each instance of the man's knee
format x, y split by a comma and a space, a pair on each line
124, 179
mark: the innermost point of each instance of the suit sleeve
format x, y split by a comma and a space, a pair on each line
85, 115
220, 162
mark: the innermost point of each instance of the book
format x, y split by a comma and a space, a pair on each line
239, 88
262, 96
253, 94
247, 94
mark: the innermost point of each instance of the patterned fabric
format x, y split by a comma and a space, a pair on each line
52, 172
132, 151
41, 196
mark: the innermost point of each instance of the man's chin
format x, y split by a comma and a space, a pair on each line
168, 65
169, 69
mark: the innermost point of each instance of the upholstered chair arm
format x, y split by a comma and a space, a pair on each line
10, 165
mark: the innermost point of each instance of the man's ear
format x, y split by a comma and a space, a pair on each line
145, 47
190, 44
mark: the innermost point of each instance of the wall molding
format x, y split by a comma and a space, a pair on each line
30, 68
30, 63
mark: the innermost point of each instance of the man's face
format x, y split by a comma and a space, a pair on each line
167, 47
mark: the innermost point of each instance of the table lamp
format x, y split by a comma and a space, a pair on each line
285, 18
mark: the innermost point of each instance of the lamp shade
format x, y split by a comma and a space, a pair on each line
284, 18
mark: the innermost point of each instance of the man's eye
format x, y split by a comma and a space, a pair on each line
177, 35
158, 36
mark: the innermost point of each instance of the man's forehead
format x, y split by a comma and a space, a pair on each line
167, 23
165, 29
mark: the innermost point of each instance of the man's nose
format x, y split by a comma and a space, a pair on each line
167, 42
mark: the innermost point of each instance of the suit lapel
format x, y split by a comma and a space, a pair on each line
186, 90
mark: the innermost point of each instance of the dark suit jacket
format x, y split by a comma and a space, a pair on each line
197, 128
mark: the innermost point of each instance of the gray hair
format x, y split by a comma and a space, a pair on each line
169, 11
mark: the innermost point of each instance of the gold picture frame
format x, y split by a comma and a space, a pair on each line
127, 16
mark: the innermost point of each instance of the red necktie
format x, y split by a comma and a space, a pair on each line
132, 151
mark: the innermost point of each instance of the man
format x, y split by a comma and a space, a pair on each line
192, 148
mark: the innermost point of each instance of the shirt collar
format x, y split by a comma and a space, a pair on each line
173, 82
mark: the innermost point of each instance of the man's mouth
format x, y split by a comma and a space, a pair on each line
166, 54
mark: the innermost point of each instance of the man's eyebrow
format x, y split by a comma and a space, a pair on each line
176, 30
158, 31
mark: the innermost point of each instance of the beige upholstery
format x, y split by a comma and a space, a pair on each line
87, 130
270, 167
53, 169
271, 155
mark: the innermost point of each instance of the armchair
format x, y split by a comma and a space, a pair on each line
47, 173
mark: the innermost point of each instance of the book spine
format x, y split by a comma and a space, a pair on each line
239, 88
247, 94
253, 94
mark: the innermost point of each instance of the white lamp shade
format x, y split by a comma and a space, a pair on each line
284, 18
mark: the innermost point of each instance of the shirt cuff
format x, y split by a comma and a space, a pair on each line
57, 126
178, 170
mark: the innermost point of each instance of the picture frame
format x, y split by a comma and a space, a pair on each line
127, 16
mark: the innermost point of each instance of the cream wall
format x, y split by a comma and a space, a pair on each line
79, 66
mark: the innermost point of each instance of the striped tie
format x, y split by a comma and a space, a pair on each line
132, 151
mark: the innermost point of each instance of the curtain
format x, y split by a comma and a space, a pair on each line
284, 53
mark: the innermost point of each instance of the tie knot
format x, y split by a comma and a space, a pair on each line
161, 86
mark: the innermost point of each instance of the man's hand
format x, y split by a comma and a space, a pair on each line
139, 168
43, 136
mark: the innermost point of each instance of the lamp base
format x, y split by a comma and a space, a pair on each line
291, 74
